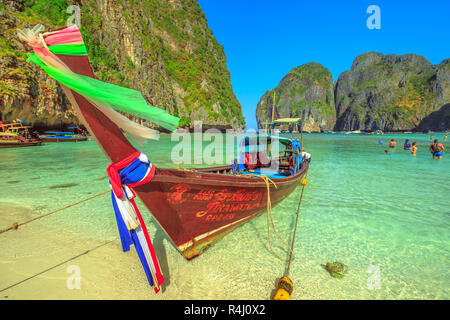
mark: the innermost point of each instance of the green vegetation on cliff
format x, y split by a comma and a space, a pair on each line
162, 48
389, 92
305, 92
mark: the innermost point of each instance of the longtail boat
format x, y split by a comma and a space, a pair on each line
11, 139
195, 207
16, 135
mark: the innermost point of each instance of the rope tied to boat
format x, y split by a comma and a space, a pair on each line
270, 220
304, 183
285, 285
16, 225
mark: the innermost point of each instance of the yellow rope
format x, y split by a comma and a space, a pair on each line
16, 225
304, 183
267, 180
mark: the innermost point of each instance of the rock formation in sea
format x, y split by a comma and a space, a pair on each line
164, 49
305, 92
391, 92
379, 92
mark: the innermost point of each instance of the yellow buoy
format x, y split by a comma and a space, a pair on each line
285, 288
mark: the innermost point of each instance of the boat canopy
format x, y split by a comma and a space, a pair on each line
286, 120
253, 140
257, 156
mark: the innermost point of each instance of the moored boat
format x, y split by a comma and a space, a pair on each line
11, 139
16, 135
61, 136
195, 207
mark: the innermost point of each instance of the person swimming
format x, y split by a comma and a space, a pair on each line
392, 144
436, 149
414, 148
407, 145
386, 152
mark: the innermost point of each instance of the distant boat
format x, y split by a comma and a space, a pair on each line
329, 132
379, 132
16, 135
11, 139
61, 136
365, 133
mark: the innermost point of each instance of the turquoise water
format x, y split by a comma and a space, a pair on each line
386, 217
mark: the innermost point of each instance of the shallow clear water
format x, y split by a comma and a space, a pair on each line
386, 217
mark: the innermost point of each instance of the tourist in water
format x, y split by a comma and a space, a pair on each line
407, 145
431, 138
414, 148
445, 137
392, 144
436, 149
386, 151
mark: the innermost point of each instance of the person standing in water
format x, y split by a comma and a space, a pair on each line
407, 145
414, 148
392, 144
436, 149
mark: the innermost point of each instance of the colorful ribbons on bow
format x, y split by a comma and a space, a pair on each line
134, 171
108, 98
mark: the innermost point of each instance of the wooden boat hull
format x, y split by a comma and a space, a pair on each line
197, 207
20, 144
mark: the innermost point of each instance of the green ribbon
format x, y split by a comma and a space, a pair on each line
109, 95
69, 49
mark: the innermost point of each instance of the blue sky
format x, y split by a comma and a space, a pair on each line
265, 39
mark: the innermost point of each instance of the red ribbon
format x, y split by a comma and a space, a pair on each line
114, 178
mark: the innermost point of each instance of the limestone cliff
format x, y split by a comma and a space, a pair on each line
305, 92
390, 92
379, 92
164, 49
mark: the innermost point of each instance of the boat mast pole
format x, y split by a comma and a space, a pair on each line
273, 111
301, 135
